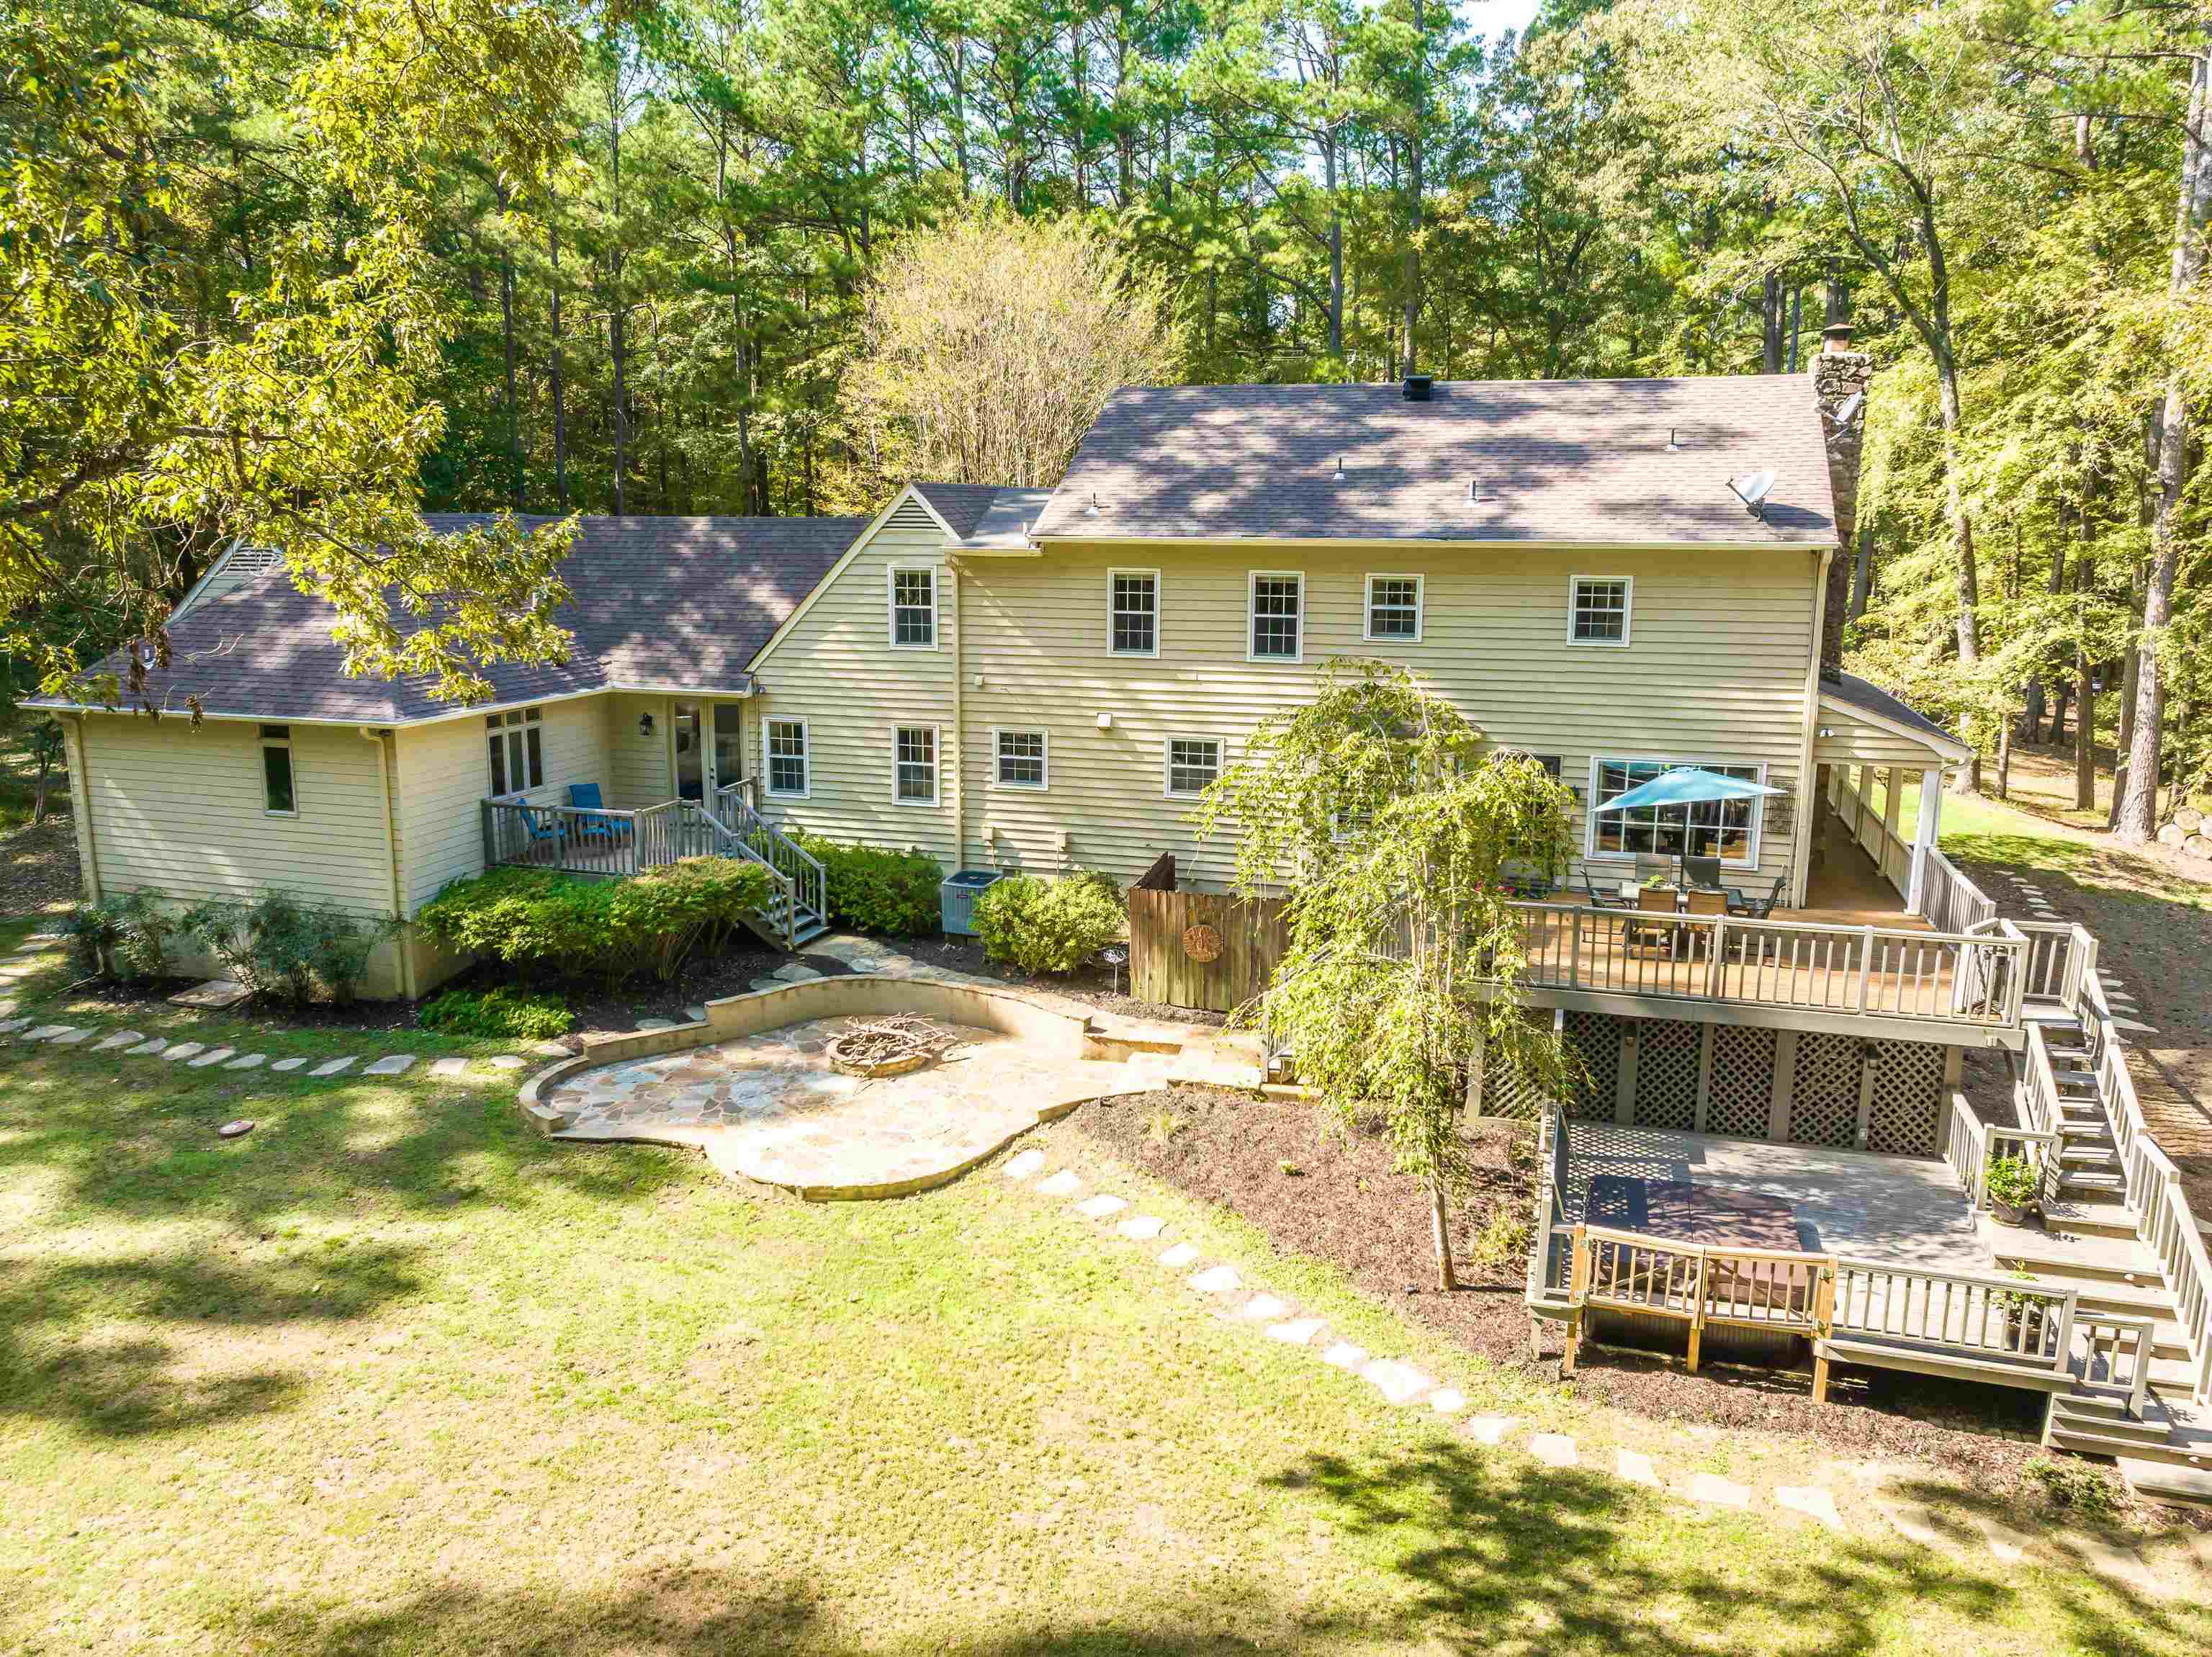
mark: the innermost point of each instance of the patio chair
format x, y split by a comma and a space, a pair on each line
1605, 900
544, 828
1666, 935
585, 796
1695, 902
1702, 874
1756, 906
1649, 870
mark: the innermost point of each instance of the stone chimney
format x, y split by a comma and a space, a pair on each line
1839, 374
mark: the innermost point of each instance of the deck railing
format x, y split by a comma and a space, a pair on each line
1949, 901
1878, 971
1551, 1241
2164, 1222
783, 854
1986, 1318
1627, 1271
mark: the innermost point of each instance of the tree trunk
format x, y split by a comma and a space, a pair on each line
1962, 544
553, 373
513, 414
1335, 247
1440, 1230
2004, 760
1770, 323
2085, 689
2138, 819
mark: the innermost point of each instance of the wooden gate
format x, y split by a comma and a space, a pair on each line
1195, 949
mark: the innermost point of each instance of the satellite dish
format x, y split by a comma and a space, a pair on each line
1753, 488
1849, 411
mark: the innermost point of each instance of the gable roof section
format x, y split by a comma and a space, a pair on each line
1570, 462
655, 603
1864, 699
960, 506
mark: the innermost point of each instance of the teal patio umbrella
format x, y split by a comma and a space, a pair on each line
1687, 785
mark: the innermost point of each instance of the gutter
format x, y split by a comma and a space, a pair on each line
399, 947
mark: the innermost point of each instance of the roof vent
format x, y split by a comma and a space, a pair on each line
1674, 440
1418, 385
1092, 511
1339, 468
1474, 486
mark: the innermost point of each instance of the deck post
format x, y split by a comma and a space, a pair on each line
1698, 1311
1577, 1287
1924, 837
1824, 1323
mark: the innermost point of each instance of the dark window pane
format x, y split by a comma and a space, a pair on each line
276, 777
537, 758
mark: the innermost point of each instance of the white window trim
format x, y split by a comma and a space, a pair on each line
1367, 610
497, 729
891, 573
1591, 854
1159, 609
1167, 760
936, 768
769, 791
997, 731
1627, 614
1252, 579
291, 764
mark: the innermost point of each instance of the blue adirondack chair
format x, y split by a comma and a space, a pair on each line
585, 796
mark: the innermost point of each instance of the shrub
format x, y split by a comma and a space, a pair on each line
872, 890
124, 936
501, 1012
564, 923
1048, 926
275, 944
2073, 1484
2011, 1180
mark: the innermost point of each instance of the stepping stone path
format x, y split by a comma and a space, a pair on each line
70, 1037
1635, 1467
505, 1062
158, 1044
1265, 1307
11, 1026
1447, 1400
1142, 1228
330, 1067
1491, 1430
182, 1050
1062, 1184
1177, 1255
392, 1064
1021, 1167
247, 1062
119, 1039
1553, 1449
213, 1056
1716, 1492
1400, 1383
1100, 1207
1812, 1501
450, 1067
47, 1033
1345, 1355
1217, 1280
288, 1064
1296, 1332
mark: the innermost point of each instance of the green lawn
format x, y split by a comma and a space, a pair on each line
391, 1375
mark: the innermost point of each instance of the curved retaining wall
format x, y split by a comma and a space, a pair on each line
855, 995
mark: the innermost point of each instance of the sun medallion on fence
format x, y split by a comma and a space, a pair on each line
1201, 943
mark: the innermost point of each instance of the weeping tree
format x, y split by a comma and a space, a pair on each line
1389, 822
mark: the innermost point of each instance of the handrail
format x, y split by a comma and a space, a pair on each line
1817, 965
2164, 1222
1966, 1148
727, 842
811, 883
2038, 1096
2112, 1335
1955, 1311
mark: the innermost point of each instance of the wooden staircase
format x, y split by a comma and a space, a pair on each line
2090, 1241
797, 908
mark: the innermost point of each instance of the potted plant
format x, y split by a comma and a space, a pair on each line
2023, 1314
2011, 1183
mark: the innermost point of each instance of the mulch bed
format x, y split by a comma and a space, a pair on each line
1345, 1205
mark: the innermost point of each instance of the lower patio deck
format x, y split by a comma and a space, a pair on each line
1905, 1210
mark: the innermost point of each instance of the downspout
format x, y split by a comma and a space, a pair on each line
959, 727
80, 804
400, 949
1802, 850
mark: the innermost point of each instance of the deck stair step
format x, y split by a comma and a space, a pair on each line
2067, 1077
2089, 1156
2147, 1300
2073, 1185
2068, 1416
2091, 1219
2162, 1481
2084, 1130
2070, 1260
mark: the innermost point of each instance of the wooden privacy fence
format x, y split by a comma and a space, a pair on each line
1196, 949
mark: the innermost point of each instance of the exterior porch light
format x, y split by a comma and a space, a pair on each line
645, 724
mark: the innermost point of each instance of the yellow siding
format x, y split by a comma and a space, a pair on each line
1714, 672
1843, 741
836, 670
640, 768
182, 811
444, 773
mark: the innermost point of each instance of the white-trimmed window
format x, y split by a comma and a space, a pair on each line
1726, 829
1021, 760
1277, 629
785, 765
914, 766
1597, 609
1191, 763
913, 607
1132, 612
517, 744
280, 797
1393, 608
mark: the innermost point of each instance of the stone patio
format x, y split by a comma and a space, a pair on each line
770, 1108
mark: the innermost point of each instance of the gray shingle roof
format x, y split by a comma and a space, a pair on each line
1571, 461
681, 602
1869, 698
961, 505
